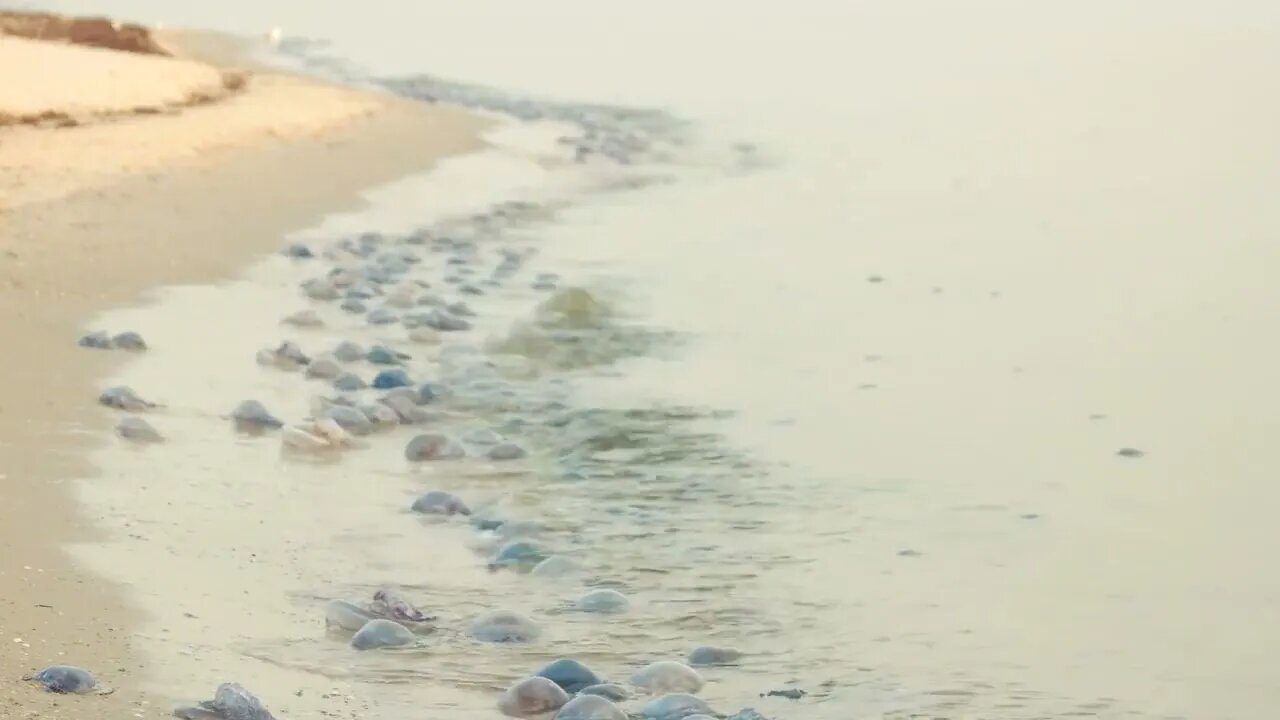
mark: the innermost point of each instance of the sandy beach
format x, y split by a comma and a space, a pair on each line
121, 172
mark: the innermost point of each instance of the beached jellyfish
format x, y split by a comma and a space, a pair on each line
590, 707
304, 319
323, 369
69, 679
503, 627
432, 446
568, 674
439, 502
516, 554
445, 322
382, 417
603, 600
388, 604
252, 415
349, 382
298, 250
616, 693
505, 451
351, 419
667, 676
230, 702
122, 397
706, 655
532, 696
347, 351
382, 633
424, 336
381, 355
345, 615
353, 306
555, 566
129, 340
98, 340
138, 430
675, 706
320, 289
381, 316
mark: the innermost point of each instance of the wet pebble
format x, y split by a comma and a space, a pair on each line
532, 696
439, 502
138, 430
504, 627
706, 655
667, 676
382, 633
569, 674
122, 397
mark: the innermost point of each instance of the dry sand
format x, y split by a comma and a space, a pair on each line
92, 216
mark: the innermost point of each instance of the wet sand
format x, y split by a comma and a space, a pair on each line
92, 217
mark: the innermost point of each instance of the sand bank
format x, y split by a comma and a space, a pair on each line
92, 216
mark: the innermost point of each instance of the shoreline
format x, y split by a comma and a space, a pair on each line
74, 244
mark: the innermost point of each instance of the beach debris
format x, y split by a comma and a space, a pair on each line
555, 566
230, 702
706, 655
517, 553
98, 339
504, 627
667, 676
304, 318
252, 416
616, 693
391, 378
439, 502
603, 600
675, 706
69, 679
431, 446
532, 696
382, 633
129, 340
590, 707
122, 397
505, 451
569, 674
135, 428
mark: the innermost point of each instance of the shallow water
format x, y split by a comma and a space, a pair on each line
858, 408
